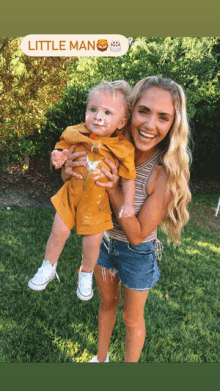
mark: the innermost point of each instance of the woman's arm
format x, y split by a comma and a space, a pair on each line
128, 188
153, 210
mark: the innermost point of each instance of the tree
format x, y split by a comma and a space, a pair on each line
28, 87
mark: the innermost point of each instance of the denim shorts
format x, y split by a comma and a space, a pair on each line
136, 265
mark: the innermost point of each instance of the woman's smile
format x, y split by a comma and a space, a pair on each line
146, 135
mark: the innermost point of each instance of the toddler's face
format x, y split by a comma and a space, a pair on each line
105, 113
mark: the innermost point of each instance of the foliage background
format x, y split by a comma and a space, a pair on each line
41, 96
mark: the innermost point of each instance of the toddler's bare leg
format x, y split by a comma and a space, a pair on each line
91, 247
57, 239
46, 273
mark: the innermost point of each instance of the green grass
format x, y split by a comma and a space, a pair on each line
182, 311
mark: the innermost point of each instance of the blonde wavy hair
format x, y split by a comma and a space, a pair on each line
175, 155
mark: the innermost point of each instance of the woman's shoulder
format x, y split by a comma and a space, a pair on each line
158, 178
157, 188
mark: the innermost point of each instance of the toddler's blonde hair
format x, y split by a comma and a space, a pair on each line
112, 88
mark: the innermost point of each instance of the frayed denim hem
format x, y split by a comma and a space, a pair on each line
112, 273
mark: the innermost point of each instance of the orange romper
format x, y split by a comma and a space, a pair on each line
82, 203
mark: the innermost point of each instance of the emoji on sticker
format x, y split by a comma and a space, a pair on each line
115, 46
102, 45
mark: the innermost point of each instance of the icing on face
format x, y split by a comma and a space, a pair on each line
105, 113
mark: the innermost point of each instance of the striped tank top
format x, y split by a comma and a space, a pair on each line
143, 174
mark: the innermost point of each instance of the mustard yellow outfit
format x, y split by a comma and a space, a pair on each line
81, 202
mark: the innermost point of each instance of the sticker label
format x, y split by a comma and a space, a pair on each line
48, 45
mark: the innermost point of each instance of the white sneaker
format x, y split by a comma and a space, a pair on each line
84, 286
44, 275
95, 359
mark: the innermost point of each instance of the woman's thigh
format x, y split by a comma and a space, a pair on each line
109, 287
134, 303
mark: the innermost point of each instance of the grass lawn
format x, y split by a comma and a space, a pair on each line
182, 311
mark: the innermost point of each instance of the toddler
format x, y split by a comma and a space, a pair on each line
82, 203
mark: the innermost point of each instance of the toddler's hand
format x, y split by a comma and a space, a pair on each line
127, 210
58, 158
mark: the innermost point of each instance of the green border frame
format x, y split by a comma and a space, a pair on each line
174, 376
162, 29
165, 20
161, 18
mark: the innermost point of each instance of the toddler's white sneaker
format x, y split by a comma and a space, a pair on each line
84, 286
95, 359
44, 275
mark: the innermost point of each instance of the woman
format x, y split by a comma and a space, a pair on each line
159, 131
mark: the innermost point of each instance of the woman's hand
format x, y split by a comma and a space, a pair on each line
112, 175
71, 163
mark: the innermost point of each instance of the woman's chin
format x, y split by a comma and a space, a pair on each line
144, 144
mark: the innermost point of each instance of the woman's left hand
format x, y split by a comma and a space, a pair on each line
112, 175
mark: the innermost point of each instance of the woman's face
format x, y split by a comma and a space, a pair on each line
152, 119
